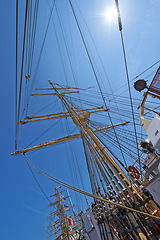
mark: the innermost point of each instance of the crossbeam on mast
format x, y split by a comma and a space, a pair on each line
51, 88
57, 212
69, 216
53, 224
71, 233
54, 228
57, 194
57, 221
66, 236
64, 139
64, 198
54, 232
42, 94
53, 114
58, 115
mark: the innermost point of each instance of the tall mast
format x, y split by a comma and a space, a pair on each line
131, 192
63, 227
60, 212
108, 181
87, 131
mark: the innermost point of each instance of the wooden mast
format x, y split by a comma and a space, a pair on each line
106, 156
61, 228
80, 117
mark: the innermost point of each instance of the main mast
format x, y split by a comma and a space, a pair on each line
132, 189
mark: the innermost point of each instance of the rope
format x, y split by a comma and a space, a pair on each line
42, 47
37, 181
96, 78
84, 192
16, 69
33, 34
139, 74
43, 133
67, 50
31, 51
20, 89
128, 82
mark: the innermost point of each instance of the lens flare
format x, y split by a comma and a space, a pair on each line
111, 14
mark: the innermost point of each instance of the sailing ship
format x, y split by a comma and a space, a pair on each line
65, 225
121, 158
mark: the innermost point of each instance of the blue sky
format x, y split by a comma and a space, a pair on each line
23, 206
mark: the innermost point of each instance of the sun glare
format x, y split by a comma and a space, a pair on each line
111, 14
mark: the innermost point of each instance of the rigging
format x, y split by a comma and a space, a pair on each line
20, 88
86, 193
128, 82
96, 77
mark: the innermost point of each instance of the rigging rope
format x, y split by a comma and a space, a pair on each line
128, 82
63, 65
40, 54
38, 182
72, 160
16, 71
44, 133
76, 161
104, 69
27, 49
30, 51
67, 50
80, 31
33, 34
139, 74
20, 88
84, 192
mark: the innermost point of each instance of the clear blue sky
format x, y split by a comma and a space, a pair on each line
23, 206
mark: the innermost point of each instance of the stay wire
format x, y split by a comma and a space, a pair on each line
43, 133
100, 61
67, 50
91, 163
88, 165
109, 139
29, 34
123, 112
16, 71
52, 103
40, 54
27, 49
30, 31
96, 76
140, 74
20, 88
60, 52
93, 154
73, 168
34, 32
128, 82
95, 159
38, 182
96, 165
113, 141
122, 135
78, 169
31, 50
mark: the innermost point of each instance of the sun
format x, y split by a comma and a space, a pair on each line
111, 14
